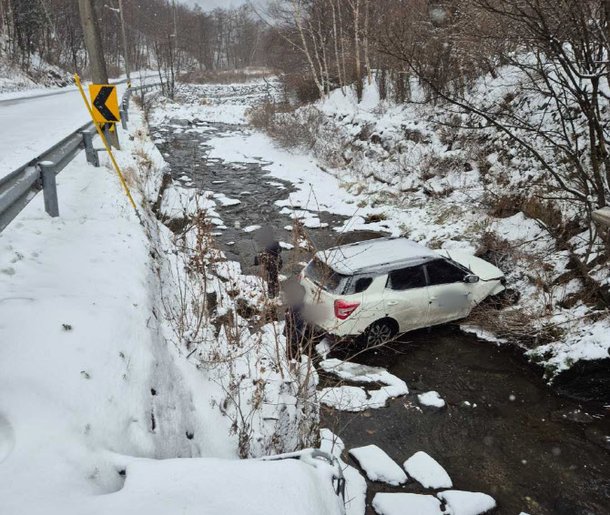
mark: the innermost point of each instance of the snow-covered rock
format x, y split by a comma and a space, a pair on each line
406, 504
378, 466
427, 471
432, 399
461, 502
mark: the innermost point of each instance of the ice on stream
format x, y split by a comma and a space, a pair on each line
427, 471
226, 201
251, 228
355, 398
378, 466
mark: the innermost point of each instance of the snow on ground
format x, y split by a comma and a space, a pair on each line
219, 103
76, 384
482, 334
432, 399
41, 76
37, 123
355, 484
378, 466
427, 471
347, 398
212, 486
178, 202
351, 398
406, 504
467, 503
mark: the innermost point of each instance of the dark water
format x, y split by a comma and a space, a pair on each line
529, 448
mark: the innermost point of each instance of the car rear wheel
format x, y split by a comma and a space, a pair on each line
379, 332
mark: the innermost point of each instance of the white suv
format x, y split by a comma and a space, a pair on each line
378, 288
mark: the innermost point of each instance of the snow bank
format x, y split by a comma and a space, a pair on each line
355, 484
179, 202
79, 381
228, 487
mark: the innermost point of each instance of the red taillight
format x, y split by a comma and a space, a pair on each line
343, 308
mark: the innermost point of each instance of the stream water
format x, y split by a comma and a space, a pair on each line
503, 432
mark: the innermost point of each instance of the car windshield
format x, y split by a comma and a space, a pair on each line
325, 277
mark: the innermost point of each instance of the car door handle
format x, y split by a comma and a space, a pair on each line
392, 302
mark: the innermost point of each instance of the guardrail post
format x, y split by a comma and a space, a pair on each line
112, 137
124, 119
90, 152
49, 187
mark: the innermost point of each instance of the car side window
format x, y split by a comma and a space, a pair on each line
443, 272
407, 278
362, 283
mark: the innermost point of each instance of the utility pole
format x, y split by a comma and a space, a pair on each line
93, 43
125, 47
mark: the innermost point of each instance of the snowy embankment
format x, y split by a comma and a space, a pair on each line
93, 389
410, 170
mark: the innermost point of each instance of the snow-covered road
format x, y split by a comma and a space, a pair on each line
29, 125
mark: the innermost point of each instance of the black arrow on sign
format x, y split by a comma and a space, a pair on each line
100, 103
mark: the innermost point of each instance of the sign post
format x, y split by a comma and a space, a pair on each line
99, 126
105, 108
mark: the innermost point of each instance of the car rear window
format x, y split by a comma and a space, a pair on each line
325, 277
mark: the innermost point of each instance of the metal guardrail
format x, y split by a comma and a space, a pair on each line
20, 186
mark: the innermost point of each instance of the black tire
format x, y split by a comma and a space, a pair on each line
379, 332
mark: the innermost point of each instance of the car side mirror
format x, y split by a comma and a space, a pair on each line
471, 279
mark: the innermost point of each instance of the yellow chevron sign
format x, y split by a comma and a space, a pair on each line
104, 103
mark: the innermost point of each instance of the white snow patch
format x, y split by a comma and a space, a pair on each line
482, 334
378, 466
350, 398
467, 503
406, 504
355, 484
209, 487
427, 471
432, 399
226, 201
345, 398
